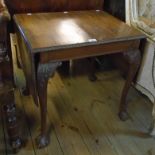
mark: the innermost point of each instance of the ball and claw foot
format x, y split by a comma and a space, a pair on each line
16, 144
123, 115
42, 141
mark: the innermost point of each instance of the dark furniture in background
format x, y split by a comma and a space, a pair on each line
6, 84
116, 8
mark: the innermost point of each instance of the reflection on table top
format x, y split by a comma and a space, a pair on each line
72, 29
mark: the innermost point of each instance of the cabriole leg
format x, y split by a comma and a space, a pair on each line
44, 72
133, 58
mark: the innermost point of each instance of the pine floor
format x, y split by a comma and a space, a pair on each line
83, 120
83, 117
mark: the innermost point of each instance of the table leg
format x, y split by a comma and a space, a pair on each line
11, 121
133, 58
44, 72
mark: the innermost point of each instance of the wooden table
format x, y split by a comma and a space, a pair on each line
47, 39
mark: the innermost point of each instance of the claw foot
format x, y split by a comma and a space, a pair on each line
42, 141
123, 115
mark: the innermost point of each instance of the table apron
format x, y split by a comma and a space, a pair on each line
88, 51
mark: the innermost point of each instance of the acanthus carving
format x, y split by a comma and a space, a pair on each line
46, 70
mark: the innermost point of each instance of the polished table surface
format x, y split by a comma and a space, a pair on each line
51, 31
46, 39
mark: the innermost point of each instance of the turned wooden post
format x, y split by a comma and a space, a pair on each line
11, 120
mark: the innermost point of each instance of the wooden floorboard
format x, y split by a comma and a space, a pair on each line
139, 121
86, 129
83, 118
100, 111
66, 127
129, 137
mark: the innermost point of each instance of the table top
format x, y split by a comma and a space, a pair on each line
59, 30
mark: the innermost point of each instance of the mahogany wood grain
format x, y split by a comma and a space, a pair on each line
88, 51
73, 29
